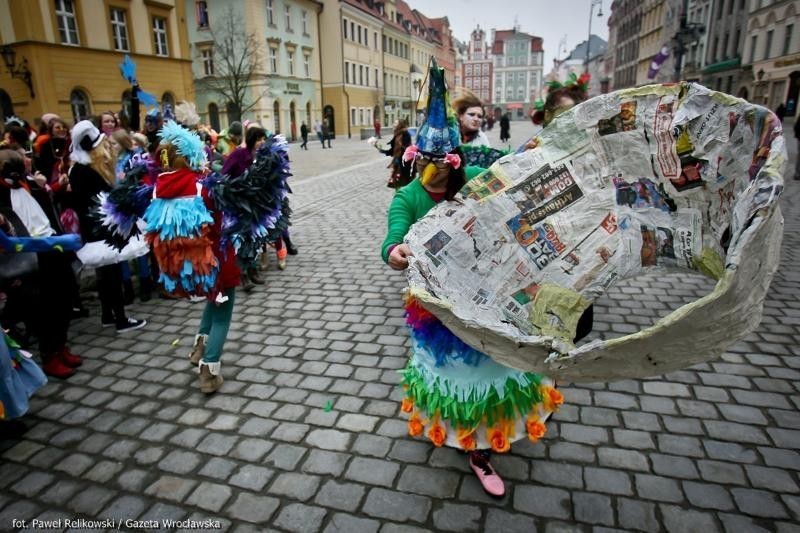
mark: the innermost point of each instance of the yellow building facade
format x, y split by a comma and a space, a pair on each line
352, 80
72, 50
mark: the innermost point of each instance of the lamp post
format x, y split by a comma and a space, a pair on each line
592, 3
19, 72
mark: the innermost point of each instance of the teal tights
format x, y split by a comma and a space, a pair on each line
215, 323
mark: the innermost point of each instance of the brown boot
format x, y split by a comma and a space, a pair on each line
247, 285
198, 350
210, 377
255, 276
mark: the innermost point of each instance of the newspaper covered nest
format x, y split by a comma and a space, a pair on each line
657, 178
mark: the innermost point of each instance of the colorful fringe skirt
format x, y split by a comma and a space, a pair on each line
459, 397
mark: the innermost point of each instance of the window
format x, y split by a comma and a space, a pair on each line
361, 74
787, 39
201, 13
352, 31
208, 61
304, 19
353, 66
273, 60
306, 65
119, 29
366, 76
375, 39
67, 24
287, 16
768, 48
213, 116
80, 105
276, 116
160, 36
468, 70
725, 46
347, 72
270, 13
344, 28
290, 58
353, 116
361, 116
376, 77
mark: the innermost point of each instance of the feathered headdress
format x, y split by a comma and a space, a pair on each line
186, 114
187, 143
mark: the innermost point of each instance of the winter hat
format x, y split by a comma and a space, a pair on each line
439, 135
154, 115
235, 129
47, 117
85, 138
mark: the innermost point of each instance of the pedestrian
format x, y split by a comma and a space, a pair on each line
318, 131
54, 283
326, 133
93, 173
797, 161
152, 123
469, 110
235, 165
505, 128
304, 136
401, 171
377, 125
230, 138
780, 111
454, 394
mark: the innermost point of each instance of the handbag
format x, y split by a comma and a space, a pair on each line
14, 265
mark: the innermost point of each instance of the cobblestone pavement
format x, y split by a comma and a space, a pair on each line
305, 433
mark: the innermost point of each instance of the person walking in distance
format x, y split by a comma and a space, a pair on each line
318, 131
326, 133
304, 136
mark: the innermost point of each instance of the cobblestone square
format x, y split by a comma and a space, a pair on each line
305, 436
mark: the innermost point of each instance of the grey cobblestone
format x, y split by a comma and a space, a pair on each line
306, 433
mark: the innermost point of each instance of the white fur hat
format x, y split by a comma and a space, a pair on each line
85, 138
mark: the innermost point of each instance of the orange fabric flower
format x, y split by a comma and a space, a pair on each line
415, 427
536, 429
498, 441
466, 439
407, 406
552, 398
437, 434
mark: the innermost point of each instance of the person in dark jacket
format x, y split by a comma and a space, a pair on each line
401, 139
92, 173
304, 136
505, 128
28, 205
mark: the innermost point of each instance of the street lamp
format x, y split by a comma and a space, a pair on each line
20, 72
592, 3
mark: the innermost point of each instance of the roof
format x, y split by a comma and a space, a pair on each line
598, 47
500, 36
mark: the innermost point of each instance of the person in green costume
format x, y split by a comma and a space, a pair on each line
455, 395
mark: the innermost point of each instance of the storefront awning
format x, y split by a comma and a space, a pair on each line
722, 65
513, 106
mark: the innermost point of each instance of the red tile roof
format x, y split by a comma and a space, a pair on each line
502, 35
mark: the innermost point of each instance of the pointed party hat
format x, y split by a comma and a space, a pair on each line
440, 134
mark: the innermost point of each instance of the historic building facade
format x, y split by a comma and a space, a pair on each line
66, 55
477, 70
517, 63
772, 54
281, 37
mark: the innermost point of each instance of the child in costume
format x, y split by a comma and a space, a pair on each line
185, 232
197, 225
455, 395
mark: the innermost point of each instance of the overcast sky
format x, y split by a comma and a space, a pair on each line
549, 19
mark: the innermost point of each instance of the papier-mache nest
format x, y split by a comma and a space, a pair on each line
653, 179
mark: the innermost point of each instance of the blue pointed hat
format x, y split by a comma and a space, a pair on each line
440, 134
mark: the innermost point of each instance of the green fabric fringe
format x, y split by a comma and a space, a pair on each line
517, 401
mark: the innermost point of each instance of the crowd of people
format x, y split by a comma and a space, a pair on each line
50, 178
